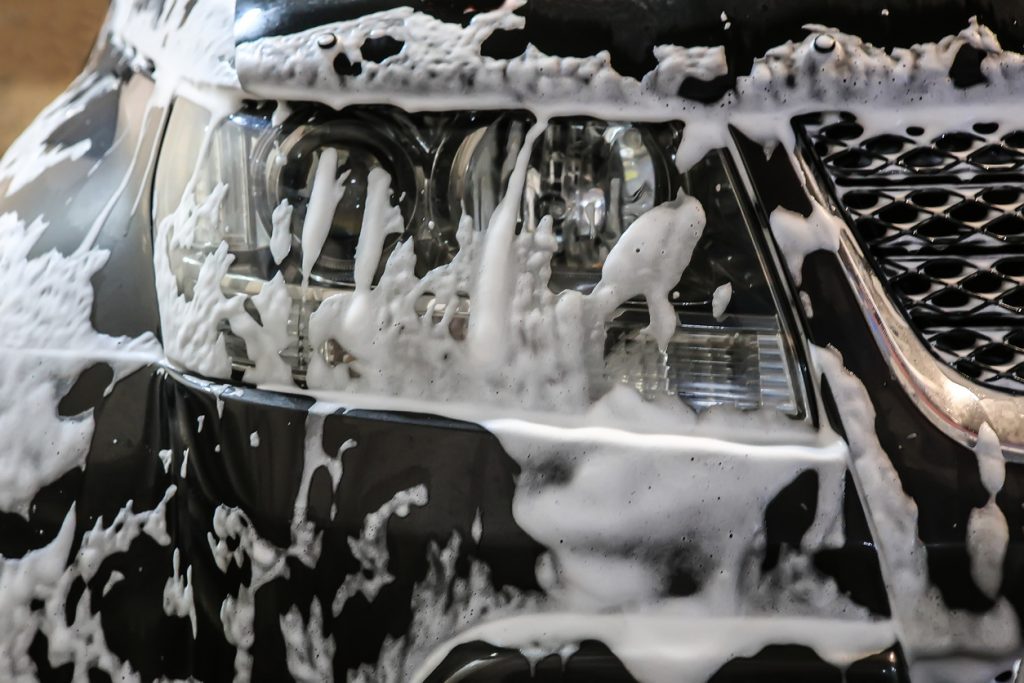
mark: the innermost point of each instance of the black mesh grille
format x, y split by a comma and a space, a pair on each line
941, 217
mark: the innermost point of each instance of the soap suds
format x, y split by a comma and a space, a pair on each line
799, 236
987, 531
926, 626
371, 552
281, 235
661, 649
46, 342
308, 652
327, 190
165, 455
67, 619
720, 300
178, 600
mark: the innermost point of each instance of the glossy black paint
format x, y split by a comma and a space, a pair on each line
939, 474
796, 664
462, 466
629, 29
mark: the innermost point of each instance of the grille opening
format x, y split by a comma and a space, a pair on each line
1011, 267
1001, 196
956, 340
1010, 225
861, 200
940, 216
931, 199
913, 284
1015, 139
945, 269
938, 228
899, 212
956, 142
995, 355
951, 298
871, 229
969, 211
887, 144
996, 157
1015, 299
856, 159
844, 130
923, 159
972, 370
983, 283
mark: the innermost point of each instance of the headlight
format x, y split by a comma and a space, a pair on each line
427, 187
593, 178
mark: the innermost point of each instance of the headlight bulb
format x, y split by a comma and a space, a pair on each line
594, 179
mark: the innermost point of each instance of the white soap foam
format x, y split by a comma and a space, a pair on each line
178, 599
31, 154
46, 342
799, 236
165, 455
588, 494
720, 300
309, 653
371, 551
926, 626
987, 530
49, 574
327, 190
445, 603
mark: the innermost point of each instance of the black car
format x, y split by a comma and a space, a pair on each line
522, 340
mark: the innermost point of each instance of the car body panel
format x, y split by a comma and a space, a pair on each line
217, 567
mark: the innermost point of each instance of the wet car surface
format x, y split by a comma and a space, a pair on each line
517, 341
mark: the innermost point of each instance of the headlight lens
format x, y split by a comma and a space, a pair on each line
362, 143
591, 179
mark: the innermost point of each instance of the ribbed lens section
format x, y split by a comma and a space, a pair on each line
744, 367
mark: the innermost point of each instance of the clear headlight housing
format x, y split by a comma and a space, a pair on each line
590, 178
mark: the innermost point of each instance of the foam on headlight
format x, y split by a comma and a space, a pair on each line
586, 182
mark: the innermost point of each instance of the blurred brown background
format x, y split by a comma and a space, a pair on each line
43, 46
